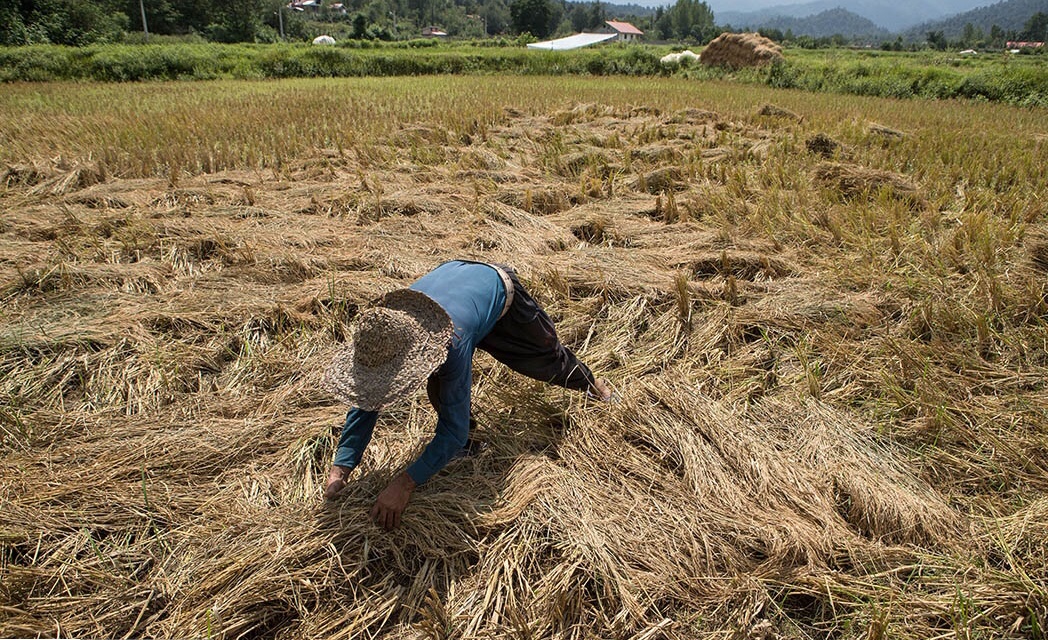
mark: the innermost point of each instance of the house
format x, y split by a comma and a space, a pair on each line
1012, 44
434, 32
624, 31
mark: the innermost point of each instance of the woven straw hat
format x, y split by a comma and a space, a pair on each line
396, 345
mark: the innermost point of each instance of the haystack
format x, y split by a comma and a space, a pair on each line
22, 174
854, 180
823, 145
737, 50
1037, 249
773, 111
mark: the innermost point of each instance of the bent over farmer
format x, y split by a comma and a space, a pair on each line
429, 332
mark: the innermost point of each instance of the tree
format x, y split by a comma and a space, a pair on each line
421, 10
772, 34
996, 36
240, 21
579, 16
13, 30
597, 14
1036, 28
360, 26
972, 35
687, 20
937, 40
537, 17
71, 22
496, 17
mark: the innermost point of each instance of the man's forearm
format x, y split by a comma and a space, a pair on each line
356, 434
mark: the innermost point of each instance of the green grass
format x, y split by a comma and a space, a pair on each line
121, 63
997, 77
1021, 80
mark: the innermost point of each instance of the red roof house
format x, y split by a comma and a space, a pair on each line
625, 31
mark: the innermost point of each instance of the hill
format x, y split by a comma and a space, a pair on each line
821, 25
893, 16
1010, 15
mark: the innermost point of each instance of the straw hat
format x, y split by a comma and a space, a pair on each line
396, 345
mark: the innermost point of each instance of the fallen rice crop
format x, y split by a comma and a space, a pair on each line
831, 360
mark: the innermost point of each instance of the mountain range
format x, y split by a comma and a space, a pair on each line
870, 19
1011, 15
820, 25
891, 15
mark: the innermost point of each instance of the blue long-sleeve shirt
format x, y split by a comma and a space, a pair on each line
473, 296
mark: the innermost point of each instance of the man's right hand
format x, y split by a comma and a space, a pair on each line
336, 481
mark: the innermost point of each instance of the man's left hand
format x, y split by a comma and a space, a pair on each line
392, 501
336, 481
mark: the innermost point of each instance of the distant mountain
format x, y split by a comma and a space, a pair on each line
889, 14
820, 25
1010, 15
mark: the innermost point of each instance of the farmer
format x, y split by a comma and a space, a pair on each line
429, 332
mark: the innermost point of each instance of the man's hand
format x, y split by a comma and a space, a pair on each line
336, 481
601, 390
392, 501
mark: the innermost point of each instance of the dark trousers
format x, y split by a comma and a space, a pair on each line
525, 340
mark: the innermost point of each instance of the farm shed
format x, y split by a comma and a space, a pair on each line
573, 42
624, 31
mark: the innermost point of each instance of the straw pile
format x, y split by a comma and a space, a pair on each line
165, 436
855, 180
823, 145
737, 50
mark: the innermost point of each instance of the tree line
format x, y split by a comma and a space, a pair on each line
1035, 29
81, 22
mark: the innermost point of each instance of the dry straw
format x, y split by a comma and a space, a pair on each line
809, 443
738, 50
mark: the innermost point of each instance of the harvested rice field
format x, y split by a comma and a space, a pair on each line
827, 319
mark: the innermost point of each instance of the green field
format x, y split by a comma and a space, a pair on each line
826, 314
995, 77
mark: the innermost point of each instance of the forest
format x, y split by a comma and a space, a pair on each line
80, 22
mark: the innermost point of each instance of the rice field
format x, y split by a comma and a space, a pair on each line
827, 317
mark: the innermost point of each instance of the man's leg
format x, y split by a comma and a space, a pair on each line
525, 340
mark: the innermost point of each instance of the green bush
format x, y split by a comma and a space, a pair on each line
1011, 79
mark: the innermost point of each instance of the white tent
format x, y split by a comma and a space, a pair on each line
572, 42
323, 40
